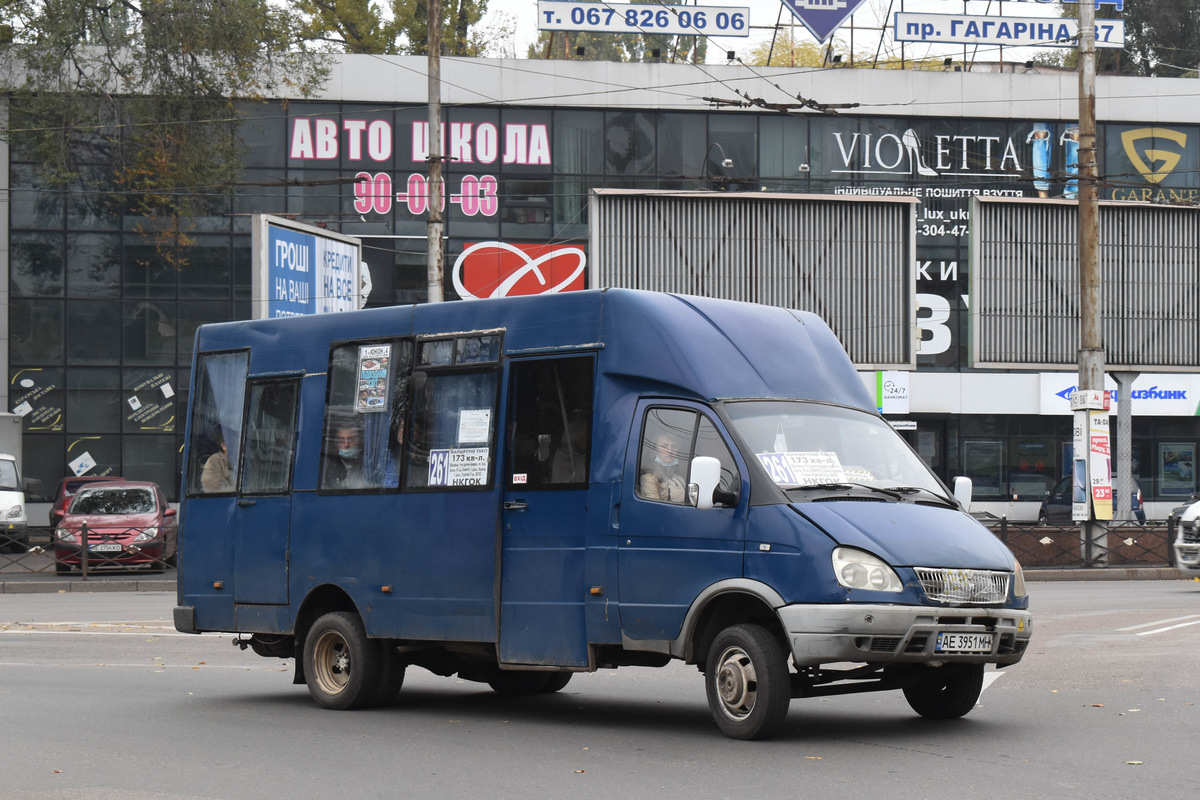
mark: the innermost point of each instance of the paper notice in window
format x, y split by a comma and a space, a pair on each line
474, 425
803, 468
22, 409
82, 464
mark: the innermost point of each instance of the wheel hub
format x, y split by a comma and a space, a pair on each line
737, 682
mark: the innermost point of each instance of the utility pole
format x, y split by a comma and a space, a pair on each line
434, 250
1091, 439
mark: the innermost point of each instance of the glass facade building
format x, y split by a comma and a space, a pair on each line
101, 326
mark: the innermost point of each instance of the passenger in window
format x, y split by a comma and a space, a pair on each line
344, 469
664, 473
217, 475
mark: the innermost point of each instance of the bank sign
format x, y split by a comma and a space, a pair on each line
301, 270
1161, 395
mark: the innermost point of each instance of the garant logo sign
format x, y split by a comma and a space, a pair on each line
501, 269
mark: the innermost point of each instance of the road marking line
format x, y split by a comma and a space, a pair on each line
1170, 628
1157, 622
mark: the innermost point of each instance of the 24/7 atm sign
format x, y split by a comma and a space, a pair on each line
301, 270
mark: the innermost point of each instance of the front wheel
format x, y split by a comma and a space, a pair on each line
948, 693
747, 682
341, 665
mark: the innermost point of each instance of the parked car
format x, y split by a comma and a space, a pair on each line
1187, 538
128, 523
1177, 512
67, 488
14, 531
1056, 508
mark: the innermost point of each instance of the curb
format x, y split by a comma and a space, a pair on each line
1107, 574
1081, 574
68, 585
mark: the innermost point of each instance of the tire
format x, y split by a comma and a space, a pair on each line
519, 683
61, 568
556, 682
342, 667
948, 692
1043, 520
391, 675
748, 683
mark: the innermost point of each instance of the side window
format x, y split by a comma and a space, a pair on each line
666, 454
454, 389
671, 438
270, 437
216, 425
550, 403
710, 443
366, 412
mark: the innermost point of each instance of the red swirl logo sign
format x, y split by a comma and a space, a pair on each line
500, 269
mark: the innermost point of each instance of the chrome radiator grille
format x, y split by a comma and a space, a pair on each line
973, 586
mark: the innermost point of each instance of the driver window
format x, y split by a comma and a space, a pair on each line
666, 455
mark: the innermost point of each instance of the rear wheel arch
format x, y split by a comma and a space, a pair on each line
320, 601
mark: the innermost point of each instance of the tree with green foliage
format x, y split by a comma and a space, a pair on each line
564, 45
150, 87
1162, 39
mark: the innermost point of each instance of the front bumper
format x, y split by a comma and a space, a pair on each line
880, 634
1187, 556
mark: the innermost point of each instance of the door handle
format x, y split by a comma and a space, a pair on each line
244, 503
514, 505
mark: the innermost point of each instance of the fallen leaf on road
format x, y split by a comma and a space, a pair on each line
1134, 763
580, 771
814, 758
56, 771
1097, 705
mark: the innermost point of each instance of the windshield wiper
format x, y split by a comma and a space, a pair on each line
921, 489
847, 485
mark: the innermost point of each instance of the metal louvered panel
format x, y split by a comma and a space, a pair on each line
850, 260
1024, 278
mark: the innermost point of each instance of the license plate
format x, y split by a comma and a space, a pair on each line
964, 643
107, 547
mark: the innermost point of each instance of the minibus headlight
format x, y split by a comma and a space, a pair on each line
16, 512
856, 569
1018, 580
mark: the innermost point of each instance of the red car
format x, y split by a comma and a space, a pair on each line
67, 489
129, 524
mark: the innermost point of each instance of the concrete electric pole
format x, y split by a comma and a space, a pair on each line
434, 247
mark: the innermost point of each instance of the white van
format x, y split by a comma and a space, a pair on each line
13, 533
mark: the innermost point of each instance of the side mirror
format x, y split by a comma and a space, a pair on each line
170, 512
706, 474
962, 491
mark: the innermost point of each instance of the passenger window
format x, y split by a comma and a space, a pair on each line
216, 425
549, 428
452, 433
270, 437
666, 447
366, 413
671, 438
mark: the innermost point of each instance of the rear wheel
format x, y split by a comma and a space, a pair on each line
519, 683
391, 675
948, 692
747, 681
341, 665
556, 682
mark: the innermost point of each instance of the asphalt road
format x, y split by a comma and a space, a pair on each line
100, 699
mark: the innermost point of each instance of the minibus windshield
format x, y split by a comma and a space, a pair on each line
803, 444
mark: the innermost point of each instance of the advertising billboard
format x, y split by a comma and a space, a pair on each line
301, 269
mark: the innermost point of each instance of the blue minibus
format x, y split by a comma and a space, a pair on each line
511, 491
